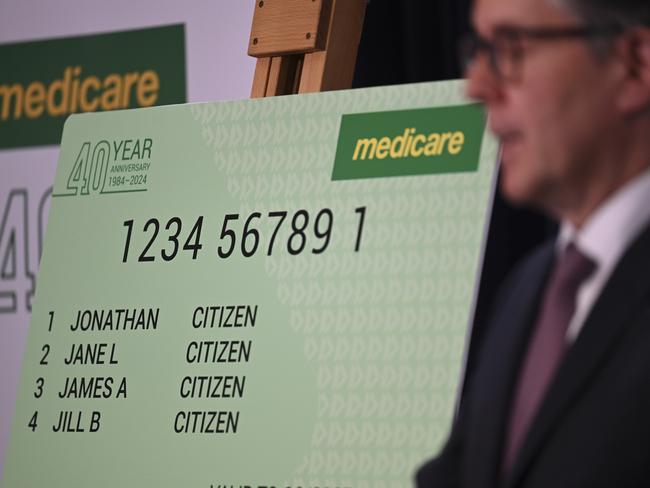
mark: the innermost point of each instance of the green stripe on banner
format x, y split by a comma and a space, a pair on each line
43, 82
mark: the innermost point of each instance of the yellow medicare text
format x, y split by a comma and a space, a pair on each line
409, 145
76, 92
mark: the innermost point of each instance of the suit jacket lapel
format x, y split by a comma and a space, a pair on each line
498, 365
609, 319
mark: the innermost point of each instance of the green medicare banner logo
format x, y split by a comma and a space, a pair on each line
43, 82
409, 142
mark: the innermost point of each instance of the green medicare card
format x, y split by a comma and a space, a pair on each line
261, 293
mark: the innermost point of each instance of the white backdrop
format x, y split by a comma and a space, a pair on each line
216, 38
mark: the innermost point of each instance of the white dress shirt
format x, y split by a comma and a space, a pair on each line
604, 237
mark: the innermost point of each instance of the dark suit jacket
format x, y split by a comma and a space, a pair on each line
593, 427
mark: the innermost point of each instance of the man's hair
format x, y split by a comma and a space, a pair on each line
623, 13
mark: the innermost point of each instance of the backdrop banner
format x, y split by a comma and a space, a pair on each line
220, 305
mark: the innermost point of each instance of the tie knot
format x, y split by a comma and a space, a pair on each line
573, 268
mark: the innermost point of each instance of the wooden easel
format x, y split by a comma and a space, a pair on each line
304, 46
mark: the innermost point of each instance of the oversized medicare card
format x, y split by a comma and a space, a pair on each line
260, 293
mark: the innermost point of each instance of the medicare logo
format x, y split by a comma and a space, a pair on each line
43, 82
409, 142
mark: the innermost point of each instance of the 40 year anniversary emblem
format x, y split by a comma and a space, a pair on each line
117, 166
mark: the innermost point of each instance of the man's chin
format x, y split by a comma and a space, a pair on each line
514, 190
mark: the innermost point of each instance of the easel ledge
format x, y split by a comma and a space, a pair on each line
304, 46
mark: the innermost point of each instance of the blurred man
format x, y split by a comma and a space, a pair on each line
560, 394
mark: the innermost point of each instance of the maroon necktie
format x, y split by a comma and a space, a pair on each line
546, 346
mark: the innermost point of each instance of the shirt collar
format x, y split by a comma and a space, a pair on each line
614, 225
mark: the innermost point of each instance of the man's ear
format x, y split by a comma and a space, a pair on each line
635, 92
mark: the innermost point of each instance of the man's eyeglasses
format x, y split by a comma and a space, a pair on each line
506, 50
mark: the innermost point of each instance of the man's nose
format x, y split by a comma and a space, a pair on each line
483, 83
